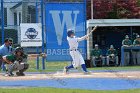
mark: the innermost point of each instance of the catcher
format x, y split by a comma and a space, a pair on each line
16, 62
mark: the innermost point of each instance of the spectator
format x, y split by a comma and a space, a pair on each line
126, 43
136, 53
96, 54
112, 55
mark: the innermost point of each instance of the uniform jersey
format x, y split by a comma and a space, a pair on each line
114, 51
4, 50
14, 58
126, 42
136, 42
11, 58
96, 52
73, 42
75, 54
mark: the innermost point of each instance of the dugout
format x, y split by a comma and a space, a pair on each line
111, 31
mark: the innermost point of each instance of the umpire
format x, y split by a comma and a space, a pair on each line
4, 49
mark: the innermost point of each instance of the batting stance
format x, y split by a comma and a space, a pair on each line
73, 42
16, 62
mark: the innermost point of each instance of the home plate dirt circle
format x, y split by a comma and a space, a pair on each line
61, 75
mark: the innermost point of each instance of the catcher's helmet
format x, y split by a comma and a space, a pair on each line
19, 49
70, 32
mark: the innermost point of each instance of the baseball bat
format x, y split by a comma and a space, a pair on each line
94, 29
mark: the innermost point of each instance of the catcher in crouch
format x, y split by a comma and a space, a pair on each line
16, 62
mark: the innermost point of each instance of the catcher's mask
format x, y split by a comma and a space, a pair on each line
19, 49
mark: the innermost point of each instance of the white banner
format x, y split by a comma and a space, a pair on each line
31, 34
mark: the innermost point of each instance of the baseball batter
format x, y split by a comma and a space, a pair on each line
78, 60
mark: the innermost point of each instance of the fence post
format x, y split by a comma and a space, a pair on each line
37, 49
92, 9
2, 20
2, 27
42, 21
85, 11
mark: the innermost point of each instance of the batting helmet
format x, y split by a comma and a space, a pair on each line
70, 32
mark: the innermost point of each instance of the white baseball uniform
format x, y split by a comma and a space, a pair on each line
75, 54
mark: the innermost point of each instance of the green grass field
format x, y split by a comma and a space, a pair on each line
57, 66
55, 90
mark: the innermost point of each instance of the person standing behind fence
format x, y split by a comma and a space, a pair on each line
136, 53
126, 43
4, 49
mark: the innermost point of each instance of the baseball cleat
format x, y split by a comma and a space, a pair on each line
65, 70
9, 74
20, 74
